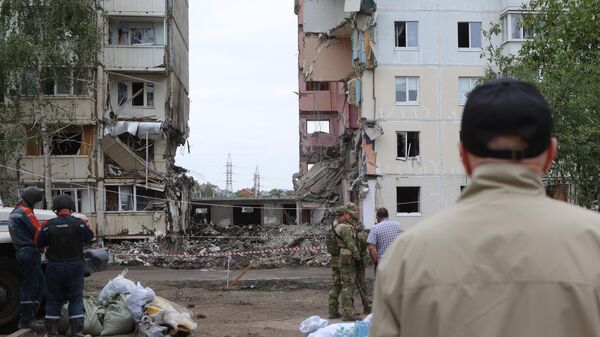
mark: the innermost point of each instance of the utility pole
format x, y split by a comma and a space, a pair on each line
229, 175
256, 181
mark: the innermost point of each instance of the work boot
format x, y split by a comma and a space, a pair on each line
51, 327
77, 327
334, 315
350, 318
34, 325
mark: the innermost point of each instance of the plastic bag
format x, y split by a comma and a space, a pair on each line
137, 299
331, 330
118, 285
117, 318
92, 324
312, 324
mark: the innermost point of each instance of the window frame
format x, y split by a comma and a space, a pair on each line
318, 121
130, 98
470, 47
418, 211
463, 100
406, 34
406, 145
71, 83
134, 195
407, 90
78, 198
509, 17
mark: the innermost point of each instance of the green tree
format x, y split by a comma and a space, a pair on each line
41, 41
563, 60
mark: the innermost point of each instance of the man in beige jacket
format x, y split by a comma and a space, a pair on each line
505, 260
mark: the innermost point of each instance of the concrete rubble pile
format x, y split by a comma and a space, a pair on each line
209, 246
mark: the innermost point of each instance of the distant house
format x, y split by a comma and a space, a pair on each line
245, 192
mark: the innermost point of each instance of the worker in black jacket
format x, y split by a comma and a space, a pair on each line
65, 237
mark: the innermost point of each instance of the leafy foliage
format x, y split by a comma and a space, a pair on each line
44, 38
563, 60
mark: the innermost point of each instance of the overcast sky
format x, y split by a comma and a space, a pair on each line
243, 74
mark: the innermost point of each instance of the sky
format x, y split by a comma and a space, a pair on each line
243, 74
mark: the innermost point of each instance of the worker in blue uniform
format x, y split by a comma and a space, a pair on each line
64, 237
23, 226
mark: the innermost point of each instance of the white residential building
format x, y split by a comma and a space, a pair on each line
428, 58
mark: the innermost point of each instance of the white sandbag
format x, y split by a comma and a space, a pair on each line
331, 330
312, 324
137, 299
118, 285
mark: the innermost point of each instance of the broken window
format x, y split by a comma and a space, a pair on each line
141, 36
317, 126
112, 198
137, 93
407, 89
126, 198
63, 81
149, 94
138, 145
66, 143
81, 81
122, 89
29, 82
81, 197
406, 33
408, 199
469, 35
465, 85
407, 144
145, 198
317, 86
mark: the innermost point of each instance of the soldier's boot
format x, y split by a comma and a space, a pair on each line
77, 327
51, 327
34, 325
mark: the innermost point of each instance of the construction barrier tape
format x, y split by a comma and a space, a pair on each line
220, 237
313, 249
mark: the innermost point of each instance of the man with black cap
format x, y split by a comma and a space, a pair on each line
23, 225
505, 260
65, 237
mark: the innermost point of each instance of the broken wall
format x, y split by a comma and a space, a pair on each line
178, 64
320, 16
326, 59
221, 215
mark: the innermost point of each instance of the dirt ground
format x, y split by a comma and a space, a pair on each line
272, 307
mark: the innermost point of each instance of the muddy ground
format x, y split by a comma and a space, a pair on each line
254, 308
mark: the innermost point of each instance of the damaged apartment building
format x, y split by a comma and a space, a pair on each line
334, 50
116, 154
381, 97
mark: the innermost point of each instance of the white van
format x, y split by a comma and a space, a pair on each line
9, 279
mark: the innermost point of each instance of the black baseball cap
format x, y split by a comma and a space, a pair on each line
506, 107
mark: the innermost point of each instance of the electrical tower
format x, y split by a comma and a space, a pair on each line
256, 182
229, 175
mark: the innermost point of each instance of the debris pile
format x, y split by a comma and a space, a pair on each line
216, 246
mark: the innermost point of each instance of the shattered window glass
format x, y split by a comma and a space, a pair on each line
112, 198
137, 93
66, 143
408, 199
142, 36
126, 198
122, 93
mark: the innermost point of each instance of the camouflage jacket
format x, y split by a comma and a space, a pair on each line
346, 238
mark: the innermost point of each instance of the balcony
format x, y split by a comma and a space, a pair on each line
131, 223
135, 7
74, 109
63, 168
134, 58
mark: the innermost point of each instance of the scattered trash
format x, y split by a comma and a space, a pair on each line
312, 324
356, 329
137, 299
118, 285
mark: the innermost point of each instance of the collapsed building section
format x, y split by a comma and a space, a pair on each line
334, 51
114, 151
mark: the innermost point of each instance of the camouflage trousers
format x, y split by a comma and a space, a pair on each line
361, 286
342, 286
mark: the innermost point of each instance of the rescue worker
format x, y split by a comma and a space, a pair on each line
361, 243
349, 255
65, 237
22, 226
336, 282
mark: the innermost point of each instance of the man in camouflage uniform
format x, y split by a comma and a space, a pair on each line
336, 282
361, 241
348, 255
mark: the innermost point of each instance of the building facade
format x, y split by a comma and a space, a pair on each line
413, 65
114, 151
